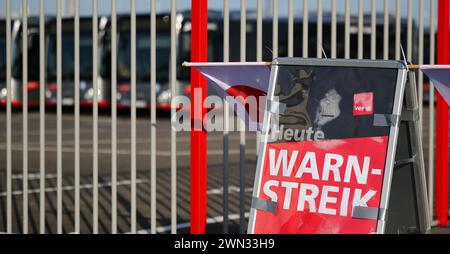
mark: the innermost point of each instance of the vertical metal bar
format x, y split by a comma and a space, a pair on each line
259, 31
258, 57
42, 117
173, 134
77, 115
242, 162
373, 44
95, 117
199, 53
8, 121
443, 57
290, 28
421, 53
398, 29
275, 29
360, 29
306, 28
333, 29
420, 79
114, 116
153, 115
59, 116
409, 32
431, 114
386, 31
319, 45
226, 115
153, 118
25, 114
133, 116
347, 29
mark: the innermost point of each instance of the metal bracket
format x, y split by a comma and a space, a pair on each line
369, 213
380, 120
276, 107
264, 205
410, 115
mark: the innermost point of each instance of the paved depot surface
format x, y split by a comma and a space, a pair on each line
123, 165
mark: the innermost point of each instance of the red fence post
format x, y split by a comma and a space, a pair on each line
443, 57
199, 53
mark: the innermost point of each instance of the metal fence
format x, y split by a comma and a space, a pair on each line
359, 32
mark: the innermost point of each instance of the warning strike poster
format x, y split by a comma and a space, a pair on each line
325, 154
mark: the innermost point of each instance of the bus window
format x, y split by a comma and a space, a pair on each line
33, 56
143, 56
68, 57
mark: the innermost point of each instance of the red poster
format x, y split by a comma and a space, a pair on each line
316, 184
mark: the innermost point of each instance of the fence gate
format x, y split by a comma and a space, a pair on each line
86, 143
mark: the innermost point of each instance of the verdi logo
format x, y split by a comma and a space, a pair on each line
363, 104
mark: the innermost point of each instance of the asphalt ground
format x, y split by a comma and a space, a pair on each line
214, 182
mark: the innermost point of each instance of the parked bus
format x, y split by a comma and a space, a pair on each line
68, 57
143, 74
312, 38
16, 65
142, 59
104, 51
215, 40
215, 53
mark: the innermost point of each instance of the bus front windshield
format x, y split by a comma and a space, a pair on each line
68, 55
143, 56
33, 56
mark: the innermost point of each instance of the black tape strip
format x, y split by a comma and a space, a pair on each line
264, 205
380, 120
410, 115
369, 213
401, 163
